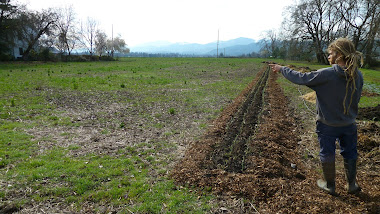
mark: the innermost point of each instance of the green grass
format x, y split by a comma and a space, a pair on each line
100, 179
369, 101
39, 96
15, 146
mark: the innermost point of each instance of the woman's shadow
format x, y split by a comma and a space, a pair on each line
371, 203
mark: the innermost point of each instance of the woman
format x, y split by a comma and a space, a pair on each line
338, 89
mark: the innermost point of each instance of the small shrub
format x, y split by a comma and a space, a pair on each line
122, 125
171, 111
75, 85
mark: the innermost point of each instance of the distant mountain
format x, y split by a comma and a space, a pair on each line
238, 41
237, 50
234, 47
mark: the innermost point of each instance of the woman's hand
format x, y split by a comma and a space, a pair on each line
275, 67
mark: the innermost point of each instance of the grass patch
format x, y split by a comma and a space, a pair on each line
369, 101
100, 179
14, 145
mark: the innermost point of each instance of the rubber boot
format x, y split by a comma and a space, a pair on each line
328, 184
350, 168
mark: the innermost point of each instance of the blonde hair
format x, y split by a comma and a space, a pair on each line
351, 57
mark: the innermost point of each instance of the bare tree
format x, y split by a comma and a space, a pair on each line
271, 43
355, 18
35, 25
110, 47
100, 42
362, 20
373, 33
118, 45
316, 21
88, 34
66, 39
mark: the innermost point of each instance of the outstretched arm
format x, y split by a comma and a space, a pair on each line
275, 67
309, 79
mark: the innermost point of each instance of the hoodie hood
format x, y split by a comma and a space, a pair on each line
339, 70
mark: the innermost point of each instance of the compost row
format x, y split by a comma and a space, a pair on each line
230, 154
248, 148
253, 150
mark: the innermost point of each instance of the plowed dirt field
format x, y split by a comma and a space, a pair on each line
254, 150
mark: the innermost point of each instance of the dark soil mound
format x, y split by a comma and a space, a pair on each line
369, 113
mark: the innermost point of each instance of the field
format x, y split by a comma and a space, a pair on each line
170, 135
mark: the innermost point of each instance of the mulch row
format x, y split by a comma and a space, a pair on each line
275, 177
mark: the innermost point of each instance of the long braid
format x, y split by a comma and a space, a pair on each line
351, 57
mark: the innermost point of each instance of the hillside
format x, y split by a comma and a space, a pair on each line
234, 47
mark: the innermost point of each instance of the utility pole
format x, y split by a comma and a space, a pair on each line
112, 42
217, 46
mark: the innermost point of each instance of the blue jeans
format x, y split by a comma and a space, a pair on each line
347, 137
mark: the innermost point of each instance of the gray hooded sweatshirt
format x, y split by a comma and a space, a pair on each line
330, 87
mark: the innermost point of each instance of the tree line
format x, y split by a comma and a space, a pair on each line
40, 31
310, 25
